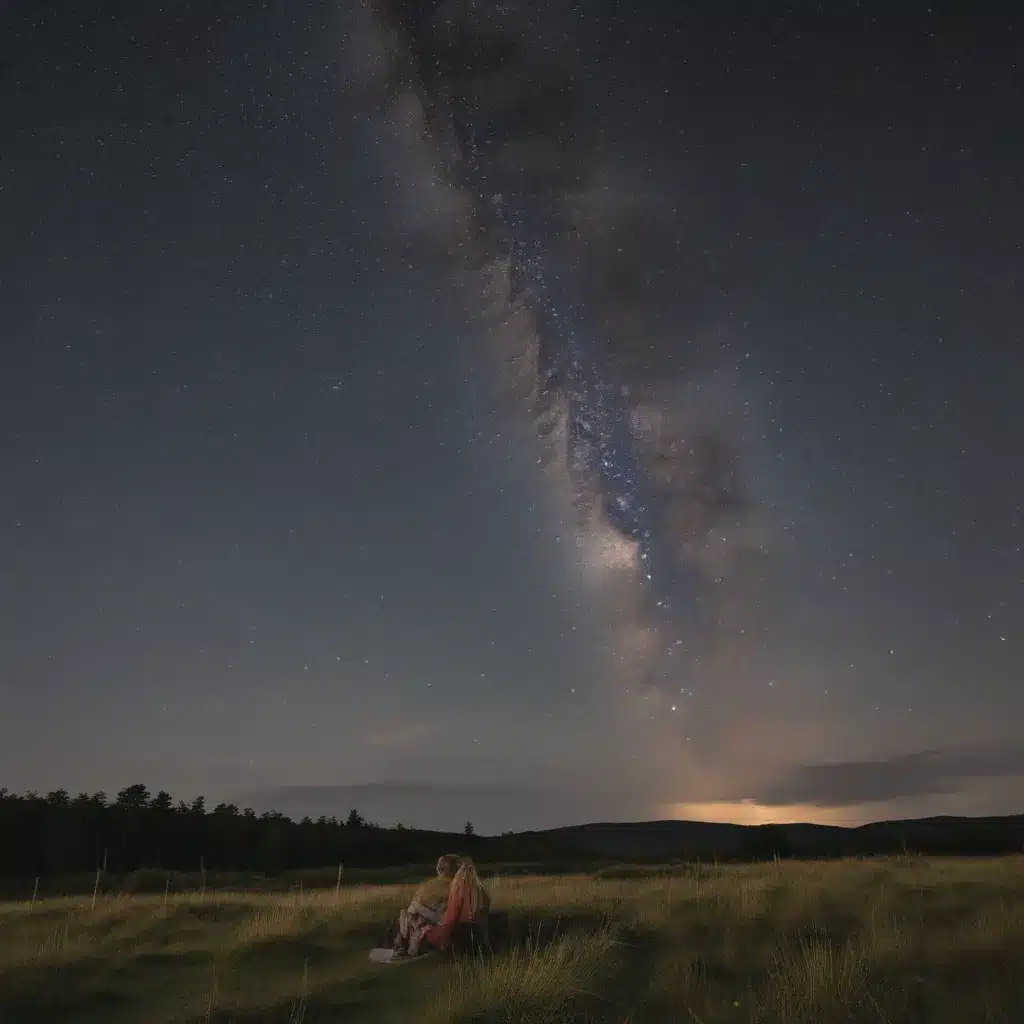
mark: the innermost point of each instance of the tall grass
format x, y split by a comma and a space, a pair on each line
886, 941
525, 984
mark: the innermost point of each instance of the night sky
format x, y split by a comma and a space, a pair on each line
267, 531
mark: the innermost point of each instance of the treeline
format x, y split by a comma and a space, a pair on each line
58, 834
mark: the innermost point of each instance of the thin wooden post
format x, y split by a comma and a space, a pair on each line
35, 891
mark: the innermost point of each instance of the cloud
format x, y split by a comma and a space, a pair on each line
923, 773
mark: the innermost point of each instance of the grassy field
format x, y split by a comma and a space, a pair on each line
899, 940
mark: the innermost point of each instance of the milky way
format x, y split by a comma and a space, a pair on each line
494, 93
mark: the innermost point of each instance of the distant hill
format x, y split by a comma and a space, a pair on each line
654, 840
441, 809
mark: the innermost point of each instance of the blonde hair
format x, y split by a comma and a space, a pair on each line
448, 865
466, 876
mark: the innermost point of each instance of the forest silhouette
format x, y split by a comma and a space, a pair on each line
60, 835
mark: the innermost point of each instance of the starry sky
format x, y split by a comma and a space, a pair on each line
267, 534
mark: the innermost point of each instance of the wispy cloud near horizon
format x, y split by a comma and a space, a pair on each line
921, 773
913, 785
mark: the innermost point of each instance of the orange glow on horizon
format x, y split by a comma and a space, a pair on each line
749, 812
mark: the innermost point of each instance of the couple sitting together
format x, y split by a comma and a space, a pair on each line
456, 899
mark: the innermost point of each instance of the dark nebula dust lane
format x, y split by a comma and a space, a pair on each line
502, 91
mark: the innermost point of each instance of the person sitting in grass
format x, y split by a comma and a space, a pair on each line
467, 908
426, 908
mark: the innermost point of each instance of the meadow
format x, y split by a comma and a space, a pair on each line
886, 940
